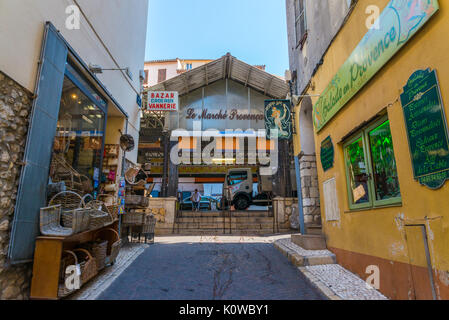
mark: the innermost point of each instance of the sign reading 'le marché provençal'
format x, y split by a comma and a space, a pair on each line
399, 21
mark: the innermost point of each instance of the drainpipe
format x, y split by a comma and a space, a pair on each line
299, 190
302, 228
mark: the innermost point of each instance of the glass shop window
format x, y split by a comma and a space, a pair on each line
371, 167
237, 177
79, 139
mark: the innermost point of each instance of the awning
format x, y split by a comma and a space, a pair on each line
227, 67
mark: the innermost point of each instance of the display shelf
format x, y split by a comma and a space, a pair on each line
47, 260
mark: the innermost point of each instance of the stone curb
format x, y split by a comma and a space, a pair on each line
302, 261
317, 283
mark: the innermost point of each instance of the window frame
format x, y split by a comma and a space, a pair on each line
373, 202
352, 205
300, 15
161, 75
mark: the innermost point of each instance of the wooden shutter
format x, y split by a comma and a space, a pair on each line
161, 75
31, 195
146, 77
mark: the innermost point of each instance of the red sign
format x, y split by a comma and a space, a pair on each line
163, 101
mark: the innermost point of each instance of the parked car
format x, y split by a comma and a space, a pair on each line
205, 204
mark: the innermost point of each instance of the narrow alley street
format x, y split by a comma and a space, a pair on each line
200, 268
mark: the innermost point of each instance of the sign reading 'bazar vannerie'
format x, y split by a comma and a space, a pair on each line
400, 20
426, 128
163, 101
327, 154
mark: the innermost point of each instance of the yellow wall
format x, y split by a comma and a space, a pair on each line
376, 232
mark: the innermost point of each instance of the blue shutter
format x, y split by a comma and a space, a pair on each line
31, 195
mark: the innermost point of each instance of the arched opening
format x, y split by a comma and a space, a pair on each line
308, 166
306, 127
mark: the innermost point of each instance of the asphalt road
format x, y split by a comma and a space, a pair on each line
208, 271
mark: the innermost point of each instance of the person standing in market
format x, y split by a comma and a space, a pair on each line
196, 198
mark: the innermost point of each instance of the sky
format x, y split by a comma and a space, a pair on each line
254, 31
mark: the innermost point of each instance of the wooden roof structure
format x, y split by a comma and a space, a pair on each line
227, 67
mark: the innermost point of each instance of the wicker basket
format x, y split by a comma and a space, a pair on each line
111, 205
135, 200
68, 200
113, 246
148, 227
49, 222
114, 210
78, 220
88, 265
99, 215
133, 218
69, 258
99, 252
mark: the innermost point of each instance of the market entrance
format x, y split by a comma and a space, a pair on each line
215, 142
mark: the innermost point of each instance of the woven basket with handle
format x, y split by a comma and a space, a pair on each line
99, 215
114, 245
99, 251
69, 258
87, 263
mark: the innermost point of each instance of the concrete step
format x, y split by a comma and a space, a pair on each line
309, 241
221, 232
314, 229
205, 214
300, 257
240, 226
226, 220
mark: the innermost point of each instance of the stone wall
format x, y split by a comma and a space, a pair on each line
164, 210
285, 211
15, 108
310, 190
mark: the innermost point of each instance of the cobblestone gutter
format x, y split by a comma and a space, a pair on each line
15, 107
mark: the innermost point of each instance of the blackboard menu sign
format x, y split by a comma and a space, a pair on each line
327, 154
426, 128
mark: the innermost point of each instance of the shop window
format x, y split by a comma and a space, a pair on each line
81, 125
371, 167
237, 177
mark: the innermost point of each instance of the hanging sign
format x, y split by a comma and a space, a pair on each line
163, 101
278, 117
395, 26
327, 154
426, 128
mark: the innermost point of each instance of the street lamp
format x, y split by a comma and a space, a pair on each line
98, 69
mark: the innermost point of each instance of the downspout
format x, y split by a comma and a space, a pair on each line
302, 228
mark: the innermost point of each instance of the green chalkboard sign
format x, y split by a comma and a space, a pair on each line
426, 128
327, 154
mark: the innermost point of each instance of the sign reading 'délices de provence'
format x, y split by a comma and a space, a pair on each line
426, 128
400, 20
